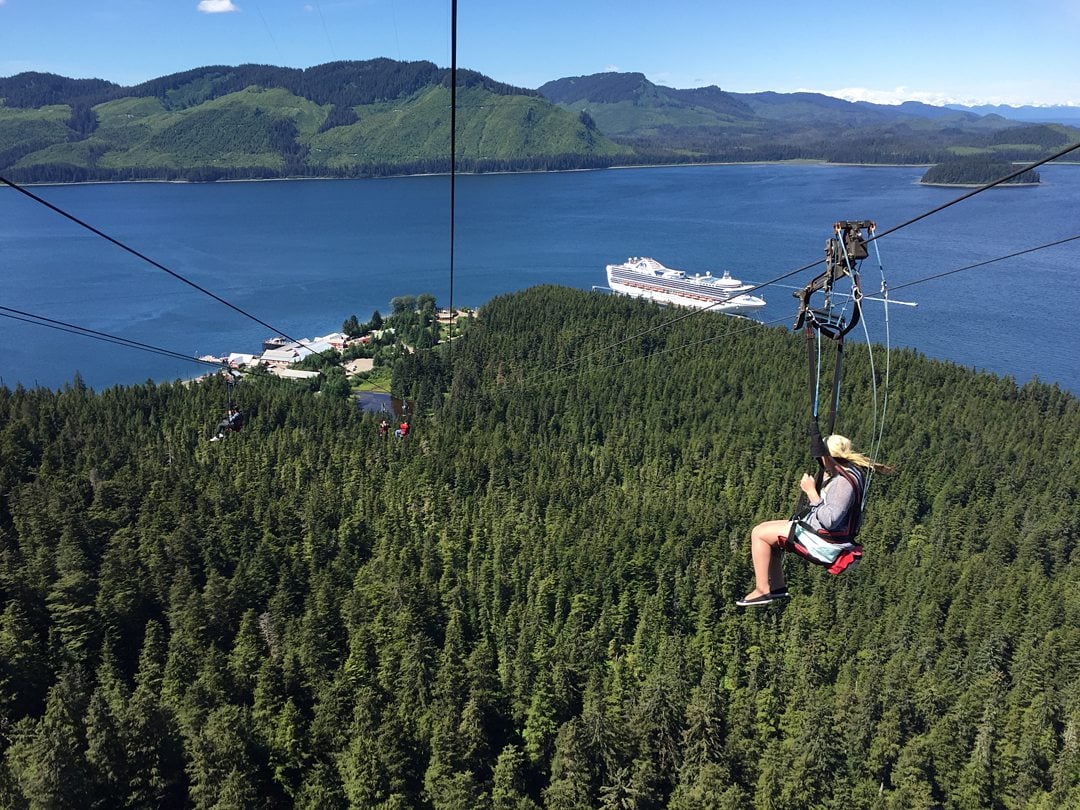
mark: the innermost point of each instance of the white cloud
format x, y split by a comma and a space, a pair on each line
217, 6
899, 95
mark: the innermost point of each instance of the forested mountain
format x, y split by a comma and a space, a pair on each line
376, 117
344, 119
528, 602
708, 123
628, 103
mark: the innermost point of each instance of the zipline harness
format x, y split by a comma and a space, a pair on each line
837, 549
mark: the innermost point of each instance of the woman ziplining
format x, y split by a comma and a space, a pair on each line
825, 531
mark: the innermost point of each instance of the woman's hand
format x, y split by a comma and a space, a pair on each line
809, 486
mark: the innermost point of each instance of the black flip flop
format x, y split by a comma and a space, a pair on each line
757, 601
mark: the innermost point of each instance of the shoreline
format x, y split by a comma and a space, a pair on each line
618, 167
979, 185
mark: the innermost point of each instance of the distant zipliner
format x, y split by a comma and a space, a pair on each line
233, 420
825, 530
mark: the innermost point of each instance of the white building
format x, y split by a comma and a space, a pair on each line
335, 340
239, 360
280, 358
313, 346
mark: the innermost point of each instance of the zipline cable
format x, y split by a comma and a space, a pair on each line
986, 262
144, 257
876, 440
326, 30
40, 320
105, 337
453, 180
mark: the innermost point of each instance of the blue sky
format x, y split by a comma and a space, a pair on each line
993, 51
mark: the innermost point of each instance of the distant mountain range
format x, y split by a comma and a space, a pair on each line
377, 117
666, 122
1050, 114
620, 101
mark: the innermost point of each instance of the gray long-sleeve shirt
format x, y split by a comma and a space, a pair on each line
830, 514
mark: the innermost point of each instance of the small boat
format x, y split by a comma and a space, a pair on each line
642, 277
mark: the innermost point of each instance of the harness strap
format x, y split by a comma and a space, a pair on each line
854, 513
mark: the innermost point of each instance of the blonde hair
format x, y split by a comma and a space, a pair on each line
840, 448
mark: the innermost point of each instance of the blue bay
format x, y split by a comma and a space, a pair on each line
304, 255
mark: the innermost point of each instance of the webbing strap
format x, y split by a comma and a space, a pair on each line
854, 514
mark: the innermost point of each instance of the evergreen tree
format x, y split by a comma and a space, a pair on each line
571, 774
57, 774
508, 782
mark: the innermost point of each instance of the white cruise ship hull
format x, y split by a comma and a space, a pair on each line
647, 278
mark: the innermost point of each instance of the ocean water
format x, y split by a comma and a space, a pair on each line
304, 255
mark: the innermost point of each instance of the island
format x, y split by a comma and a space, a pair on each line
976, 172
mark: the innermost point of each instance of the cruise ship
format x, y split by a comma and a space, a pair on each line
642, 277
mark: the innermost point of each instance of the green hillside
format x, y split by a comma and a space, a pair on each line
625, 104
248, 129
26, 131
343, 119
528, 602
492, 130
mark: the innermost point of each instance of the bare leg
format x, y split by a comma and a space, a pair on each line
768, 566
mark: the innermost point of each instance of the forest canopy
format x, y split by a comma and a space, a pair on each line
528, 601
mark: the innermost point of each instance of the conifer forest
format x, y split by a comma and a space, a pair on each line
528, 602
